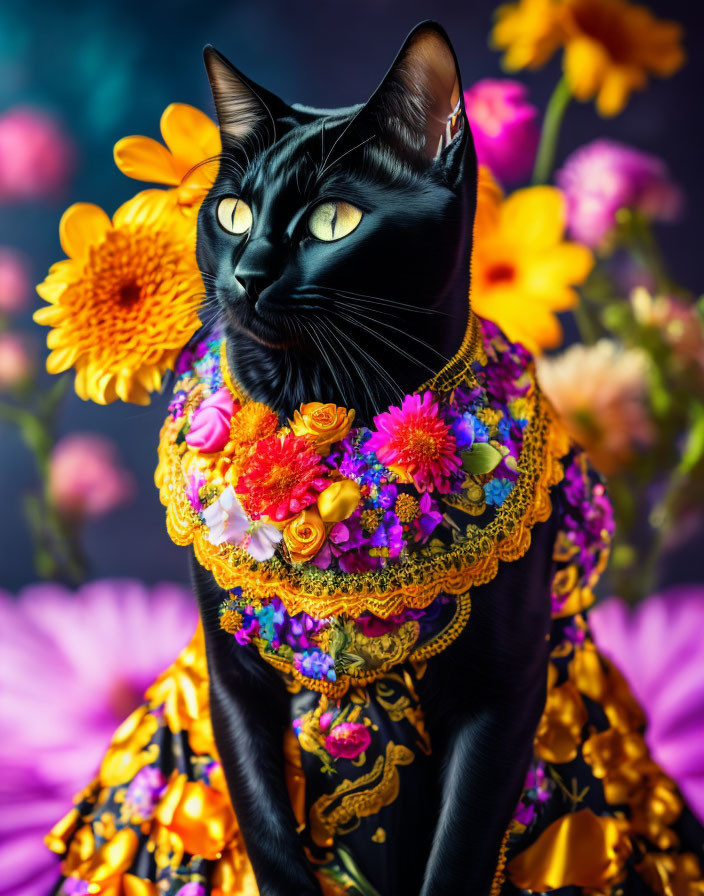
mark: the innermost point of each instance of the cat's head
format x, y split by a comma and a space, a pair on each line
335, 244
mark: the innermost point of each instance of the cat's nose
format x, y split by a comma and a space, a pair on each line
255, 269
253, 283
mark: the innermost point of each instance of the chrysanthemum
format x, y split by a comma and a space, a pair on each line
72, 667
612, 46
192, 139
599, 392
124, 302
415, 442
522, 269
283, 477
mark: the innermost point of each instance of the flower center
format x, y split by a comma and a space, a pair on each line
604, 26
129, 294
422, 444
500, 273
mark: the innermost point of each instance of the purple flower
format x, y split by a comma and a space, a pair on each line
72, 667
144, 792
389, 534
504, 126
603, 177
659, 648
462, 428
428, 519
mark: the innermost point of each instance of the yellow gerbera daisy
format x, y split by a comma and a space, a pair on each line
522, 269
611, 46
192, 139
124, 302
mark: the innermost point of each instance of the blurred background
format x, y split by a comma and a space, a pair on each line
98, 72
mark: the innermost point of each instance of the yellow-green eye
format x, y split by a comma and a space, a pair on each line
234, 215
332, 220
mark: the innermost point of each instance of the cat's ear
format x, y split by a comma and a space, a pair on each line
418, 108
242, 106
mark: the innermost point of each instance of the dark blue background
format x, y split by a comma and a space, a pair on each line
108, 69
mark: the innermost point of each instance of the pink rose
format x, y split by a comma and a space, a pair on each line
210, 426
347, 740
14, 282
504, 126
85, 476
36, 157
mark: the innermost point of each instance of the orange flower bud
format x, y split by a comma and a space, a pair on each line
325, 423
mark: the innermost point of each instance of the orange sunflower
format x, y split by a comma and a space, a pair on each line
522, 269
188, 163
611, 46
124, 302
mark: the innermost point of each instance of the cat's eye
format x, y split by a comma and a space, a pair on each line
332, 220
234, 215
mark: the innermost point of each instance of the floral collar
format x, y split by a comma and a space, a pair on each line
336, 519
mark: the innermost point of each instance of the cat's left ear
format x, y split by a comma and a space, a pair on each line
242, 106
418, 109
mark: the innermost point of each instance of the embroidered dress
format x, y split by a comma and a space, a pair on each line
348, 556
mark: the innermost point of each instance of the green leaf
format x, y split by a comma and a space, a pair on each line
481, 458
360, 881
694, 446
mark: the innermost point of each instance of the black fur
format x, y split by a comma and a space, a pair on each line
357, 322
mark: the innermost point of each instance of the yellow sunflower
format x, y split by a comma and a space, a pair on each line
522, 269
611, 46
124, 302
189, 165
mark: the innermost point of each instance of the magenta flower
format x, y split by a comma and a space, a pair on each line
210, 426
347, 740
72, 667
36, 156
416, 443
603, 177
85, 476
504, 126
659, 648
14, 282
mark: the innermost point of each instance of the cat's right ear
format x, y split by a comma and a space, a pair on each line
242, 106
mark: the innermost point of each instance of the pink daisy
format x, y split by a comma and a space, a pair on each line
415, 442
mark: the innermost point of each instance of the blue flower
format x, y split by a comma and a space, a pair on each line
497, 491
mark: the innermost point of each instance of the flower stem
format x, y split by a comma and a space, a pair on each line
552, 121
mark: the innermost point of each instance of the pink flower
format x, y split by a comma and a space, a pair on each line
416, 443
210, 426
504, 126
14, 281
36, 157
659, 648
603, 177
72, 667
347, 740
85, 476
16, 363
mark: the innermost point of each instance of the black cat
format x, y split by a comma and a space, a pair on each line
335, 247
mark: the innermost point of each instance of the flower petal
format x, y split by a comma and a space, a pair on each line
534, 217
145, 159
82, 225
190, 135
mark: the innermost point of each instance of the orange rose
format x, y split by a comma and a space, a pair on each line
304, 536
326, 423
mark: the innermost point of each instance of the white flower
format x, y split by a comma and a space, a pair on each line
226, 519
227, 522
263, 541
